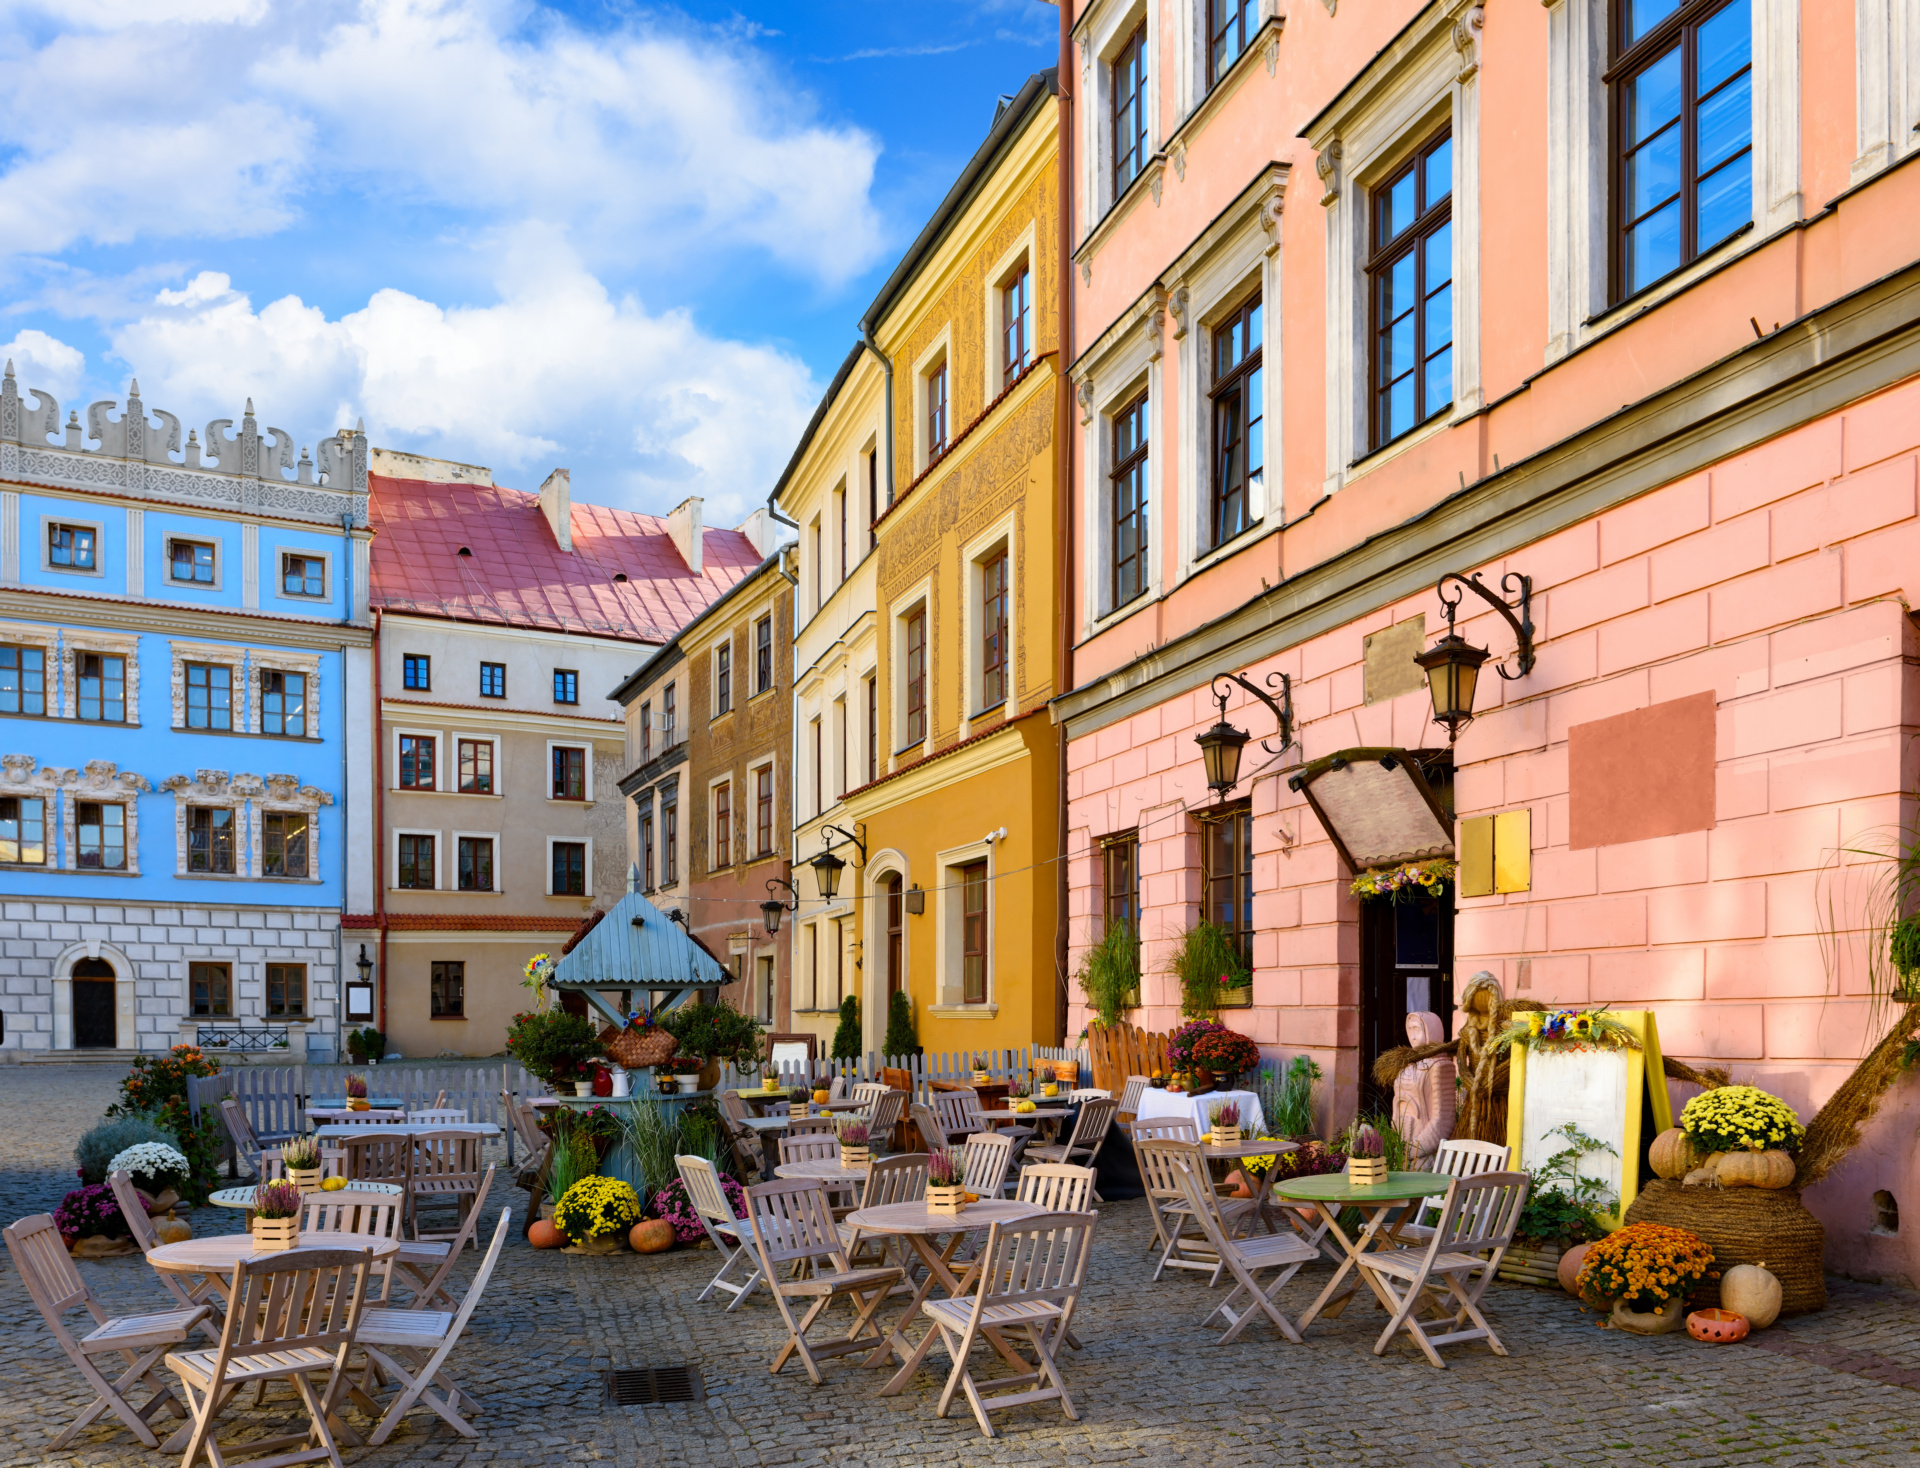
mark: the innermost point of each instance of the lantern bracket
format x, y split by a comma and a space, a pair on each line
771, 909
857, 836
1522, 625
1282, 709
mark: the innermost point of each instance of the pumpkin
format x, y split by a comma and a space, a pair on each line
1769, 1169
1569, 1270
544, 1235
172, 1230
651, 1236
1238, 1183
1751, 1290
821, 1097
1674, 1153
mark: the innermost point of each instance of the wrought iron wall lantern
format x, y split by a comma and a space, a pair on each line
773, 906
1452, 664
827, 867
1221, 745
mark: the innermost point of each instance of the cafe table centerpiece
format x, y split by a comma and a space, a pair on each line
301, 1159
1226, 1124
276, 1217
945, 1193
856, 1154
357, 1094
1368, 1165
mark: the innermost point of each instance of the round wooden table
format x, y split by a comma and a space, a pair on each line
920, 1226
827, 1170
1386, 1207
243, 1197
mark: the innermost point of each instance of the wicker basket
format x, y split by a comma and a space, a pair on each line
1745, 1226
633, 1049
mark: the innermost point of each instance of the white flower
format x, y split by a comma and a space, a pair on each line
150, 1159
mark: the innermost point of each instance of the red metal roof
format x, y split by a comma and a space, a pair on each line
519, 576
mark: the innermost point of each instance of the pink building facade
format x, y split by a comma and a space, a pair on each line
1367, 295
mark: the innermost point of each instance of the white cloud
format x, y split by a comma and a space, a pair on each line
645, 409
42, 361
642, 141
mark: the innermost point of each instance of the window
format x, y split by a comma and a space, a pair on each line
416, 863
936, 412
841, 768
416, 762
211, 986
209, 696
283, 703
1239, 447
873, 730
646, 732
1016, 326
476, 767
819, 769
840, 504
723, 679
819, 571
447, 989
70, 548
1682, 80
286, 991
23, 680
100, 834
1227, 870
569, 773
896, 934
873, 498
763, 989
722, 826
1230, 25
303, 575
493, 680
210, 844
283, 843
1120, 862
669, 718
973, 933
763, 655
917, 676
190, 561
1127, 500
1410, 275
566, 685
475, 864
103, 687
23, 830
646, 851
763, 810
569, 869
993, 631
416, 671
1130, 110
670, 842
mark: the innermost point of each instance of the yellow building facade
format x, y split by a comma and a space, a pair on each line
925, 496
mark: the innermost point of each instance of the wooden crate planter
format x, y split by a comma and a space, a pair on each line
1366, 1172
1534, 1264
946, 1200
271, 1235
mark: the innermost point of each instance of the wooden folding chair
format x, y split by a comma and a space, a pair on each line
246, 1146
1159, 1129
1184, 1243
1476, 1225
813, 1126
815, 1147
445, 1172
883, 1117
745, 1141
959, 1112
203, 1291
412, 1347
293, 1317
867, 1092
40, 1256
933, 1134
1130, 1101
377, 1159
727, 1233
1243, 1260
1089, 1134
984, 1161
1456, 1158
793, 1224
376, 1215
901, 1178
1057, 1187
1028, 1282
416, 1257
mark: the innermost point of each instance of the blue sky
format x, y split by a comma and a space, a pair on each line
630, 240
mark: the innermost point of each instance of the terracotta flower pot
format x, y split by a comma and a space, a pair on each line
1670, 1317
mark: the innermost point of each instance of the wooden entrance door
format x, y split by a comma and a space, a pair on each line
94, 1025
1406, 963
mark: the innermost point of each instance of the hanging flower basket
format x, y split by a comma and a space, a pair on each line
1408, 880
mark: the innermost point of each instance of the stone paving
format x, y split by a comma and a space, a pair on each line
1841, 1387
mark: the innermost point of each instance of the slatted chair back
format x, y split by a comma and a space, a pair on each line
933, 1135
884, 1116
380, 1118
984, 1161
138, 1223
867, 1092
348, 1212
438, 1116
1163, 1164
959, 1111
837, 1089
1165, 1129
702, 1182
376, 1159
732, 1107
49, 1273
445, 1162
1130, 1096
299, 1300
901, 1178
809, 1149
791, 1220
1090, 1130
234, 1116
1460, 1158
1480, 1213
1056, 1186
1039, 1260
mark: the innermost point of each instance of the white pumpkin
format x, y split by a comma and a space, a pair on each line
1751, 1290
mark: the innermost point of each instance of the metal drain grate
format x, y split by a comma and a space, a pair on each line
655, 1386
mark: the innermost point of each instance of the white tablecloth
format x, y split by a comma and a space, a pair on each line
1157, 1102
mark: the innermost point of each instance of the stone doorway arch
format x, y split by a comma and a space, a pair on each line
93, 999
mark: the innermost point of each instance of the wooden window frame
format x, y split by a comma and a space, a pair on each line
495, 673
1243, 19
565, 768
286, 991
407, 771
763, 654
976, 936
669, 842
1130, 472
554, 884
723, 825
212, 848
763, 810
101, 824
1129, 98
16, 657
873, 730
1237, 391
212, 547
462, 865
268, 713
1016, 325
99, 662
566, 685
215, 980
481, 782
1429, 219
915, 680
278, 845
938, 381
891, 890
646, 849
416, 672
287, 558
407, 853
19, 842
447, 988
996, 594
723, 679
78, 532
1237, 816
186, 682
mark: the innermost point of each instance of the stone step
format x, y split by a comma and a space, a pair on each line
121, 1058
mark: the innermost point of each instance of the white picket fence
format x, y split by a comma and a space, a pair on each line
955, 1066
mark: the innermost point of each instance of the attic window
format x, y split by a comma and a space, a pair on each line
619, 575
464, 551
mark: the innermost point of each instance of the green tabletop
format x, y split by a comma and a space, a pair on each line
1334, 1187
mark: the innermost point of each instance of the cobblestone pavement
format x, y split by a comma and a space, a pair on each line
1841, 1387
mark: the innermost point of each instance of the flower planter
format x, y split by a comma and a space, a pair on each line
1531, 1263
359, 1103
1225, 1136
271, 1235
981, 1078
1666, 1320
855, 1159
583, 1088
946, 1200
798, 1110
1367, 1172
306, 1179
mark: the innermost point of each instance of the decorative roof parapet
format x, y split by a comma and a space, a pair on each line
249, 473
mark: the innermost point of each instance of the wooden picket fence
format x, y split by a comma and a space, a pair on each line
953, 1066
1124, 1050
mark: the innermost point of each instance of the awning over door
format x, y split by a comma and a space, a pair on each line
1378, 805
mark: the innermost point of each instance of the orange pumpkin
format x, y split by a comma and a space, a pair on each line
543, 1235
1771, 1169
1569, 1269
651, 1236
1674, 1153
1238, 1182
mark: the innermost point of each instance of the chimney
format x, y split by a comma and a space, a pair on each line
685, 528
758, 529
556, 503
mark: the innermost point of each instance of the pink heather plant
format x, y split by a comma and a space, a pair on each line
943, 1169
854, 1134
357, 1088
277, 1200
1366, 1142
1227, 1113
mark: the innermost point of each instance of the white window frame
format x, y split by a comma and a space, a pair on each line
441, 747
1426, 78
939, 351
439, 858
279, 574
1103, 30
219, 581
1580, 166
1112, 376
125, 646
77, 522
950, 933
917, 598
453, 861
714, 710
263, 659
546, 879
1886, 84
547, 772
1020, 255
974, 555
473, 736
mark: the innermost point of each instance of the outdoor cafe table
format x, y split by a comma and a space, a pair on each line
335, 1130
1386, 1207
920, 1226
1157, 1101
243, 1197
768, 1129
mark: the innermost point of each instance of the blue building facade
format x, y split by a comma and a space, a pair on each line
185, 729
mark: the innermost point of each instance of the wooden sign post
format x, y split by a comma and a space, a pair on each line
1615, 1095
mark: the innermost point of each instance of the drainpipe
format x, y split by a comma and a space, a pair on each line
886, 427
346, 804
1063, 510
379, 821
